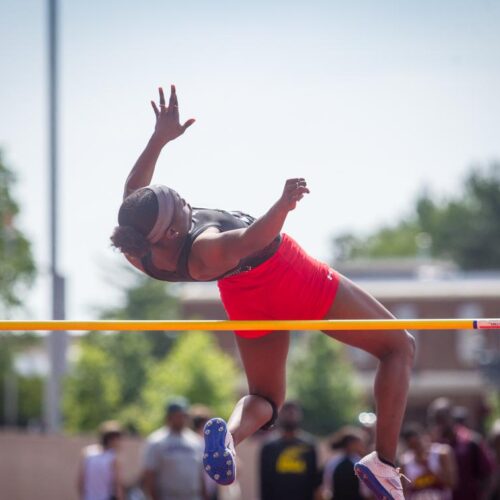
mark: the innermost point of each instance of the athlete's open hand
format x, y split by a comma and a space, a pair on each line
294, 191
168, 126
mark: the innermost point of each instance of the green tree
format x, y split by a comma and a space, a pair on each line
30, 399
129, 355
18, 268
146, 298
92, 391
29, 388
195, 368
463, 228
322, 379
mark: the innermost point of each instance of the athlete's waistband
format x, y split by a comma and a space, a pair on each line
254, 261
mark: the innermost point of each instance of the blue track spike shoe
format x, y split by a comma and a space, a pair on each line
219, 459
382, 479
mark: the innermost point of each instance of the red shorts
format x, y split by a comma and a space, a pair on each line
290, 285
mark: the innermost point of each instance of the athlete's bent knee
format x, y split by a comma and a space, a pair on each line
275, 410
405, 346
402, 345
411, 346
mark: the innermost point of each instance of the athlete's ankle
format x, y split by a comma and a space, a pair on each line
385, 461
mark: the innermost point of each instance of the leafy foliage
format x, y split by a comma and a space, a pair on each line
92, 392
321, 378
18, 268
195, 368
29, 388
119, 375
146, 299
128, 356
463, 228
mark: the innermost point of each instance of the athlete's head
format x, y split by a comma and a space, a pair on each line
153, 215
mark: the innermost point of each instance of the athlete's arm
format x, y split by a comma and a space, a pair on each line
167, 129
224, 250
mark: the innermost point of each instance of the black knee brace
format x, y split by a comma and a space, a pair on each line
270, 424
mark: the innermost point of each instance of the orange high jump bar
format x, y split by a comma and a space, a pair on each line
216, 325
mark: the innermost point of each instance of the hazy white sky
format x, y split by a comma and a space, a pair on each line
370, 101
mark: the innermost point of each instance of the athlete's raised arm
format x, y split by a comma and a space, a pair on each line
167, 129
226, 249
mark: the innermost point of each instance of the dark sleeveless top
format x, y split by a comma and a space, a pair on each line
203, 218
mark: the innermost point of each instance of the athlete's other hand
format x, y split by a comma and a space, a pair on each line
168, 126
294, 191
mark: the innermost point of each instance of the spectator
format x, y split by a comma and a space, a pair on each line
474, 466
429, 466
460, 415
288, 464
173, 458
99, 477
339, 479
200, 415
494, 439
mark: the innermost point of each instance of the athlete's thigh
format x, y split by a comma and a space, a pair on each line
352, 302
264, 361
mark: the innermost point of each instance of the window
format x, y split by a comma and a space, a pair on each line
469, 343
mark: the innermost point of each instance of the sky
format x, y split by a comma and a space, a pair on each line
371, 102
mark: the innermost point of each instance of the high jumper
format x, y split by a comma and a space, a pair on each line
262, 274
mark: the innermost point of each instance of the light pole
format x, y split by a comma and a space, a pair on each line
56, 341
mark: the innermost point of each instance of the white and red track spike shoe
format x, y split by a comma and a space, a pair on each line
382, 479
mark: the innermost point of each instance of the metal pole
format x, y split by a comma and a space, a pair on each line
56, 341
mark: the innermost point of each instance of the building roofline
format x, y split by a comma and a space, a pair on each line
461, 288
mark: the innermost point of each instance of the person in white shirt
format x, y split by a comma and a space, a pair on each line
99, 476
173, 458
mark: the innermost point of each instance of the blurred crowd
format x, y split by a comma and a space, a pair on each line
444, 459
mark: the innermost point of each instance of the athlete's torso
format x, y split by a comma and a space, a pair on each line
203, 219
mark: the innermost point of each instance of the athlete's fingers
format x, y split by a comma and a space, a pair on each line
155, 109
292, 184
188, 124
298, 190
173, 97
298, 195
162, 97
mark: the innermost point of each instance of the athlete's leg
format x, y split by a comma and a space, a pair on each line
264, 361
395, 351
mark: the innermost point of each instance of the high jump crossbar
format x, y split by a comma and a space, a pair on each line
216, 325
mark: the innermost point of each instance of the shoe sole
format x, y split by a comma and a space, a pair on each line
218, 461
367, 476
